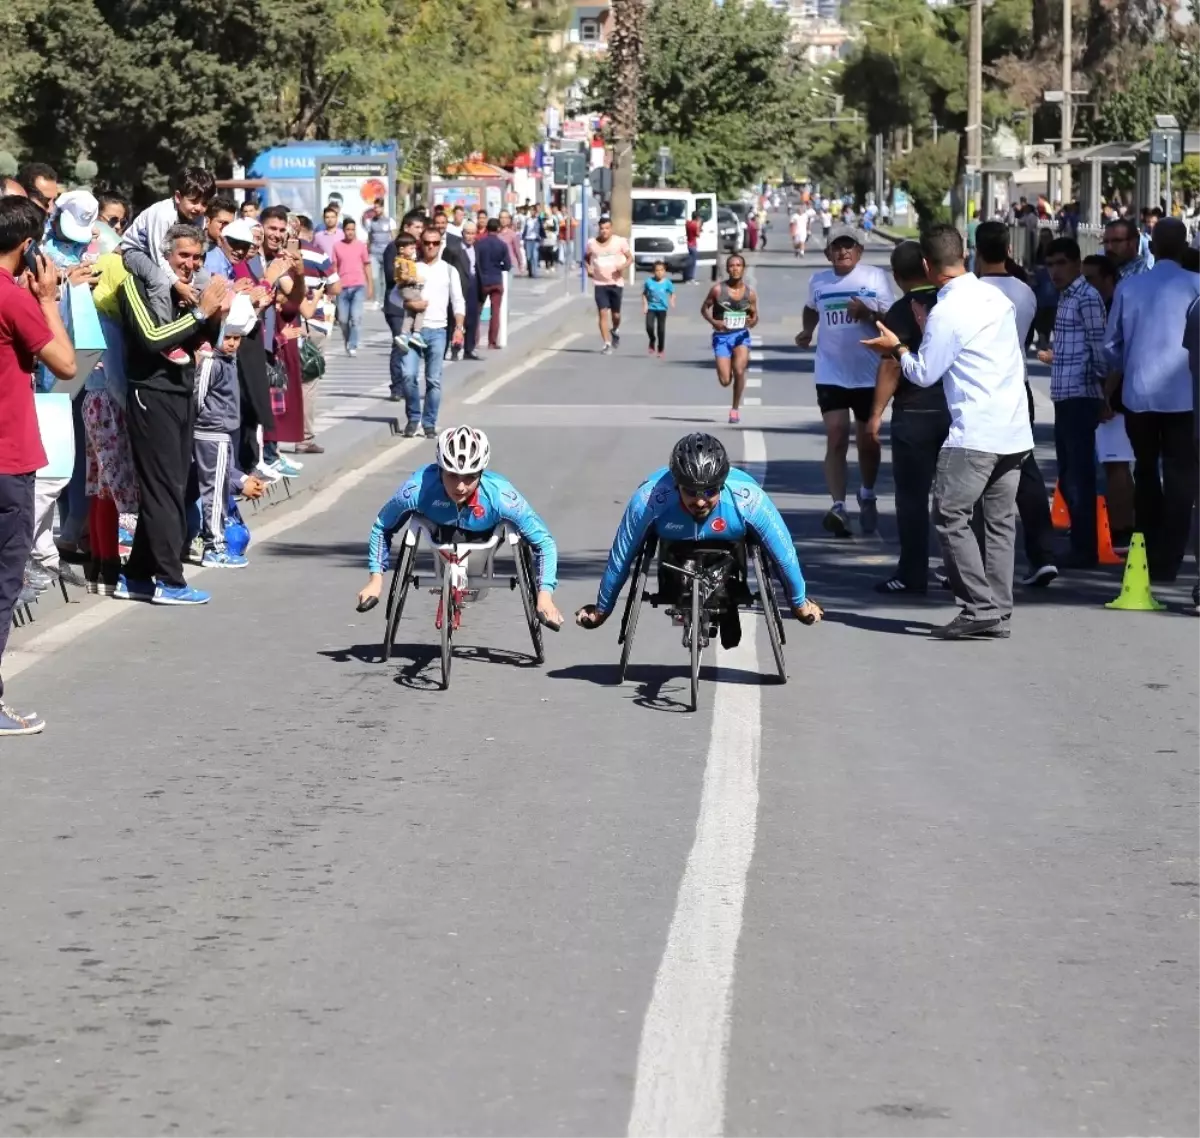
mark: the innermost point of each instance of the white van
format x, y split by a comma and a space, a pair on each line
659, 218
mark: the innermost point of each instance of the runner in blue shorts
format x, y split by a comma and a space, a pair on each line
731, 307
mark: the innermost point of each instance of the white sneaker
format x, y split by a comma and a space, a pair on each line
267, 473
351, 352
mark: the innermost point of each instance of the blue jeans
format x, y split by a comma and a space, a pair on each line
689, 274
1075, 422
532, 248
435, 349
350, 304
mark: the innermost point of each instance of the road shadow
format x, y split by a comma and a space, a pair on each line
902, 626
411, 662
647, 684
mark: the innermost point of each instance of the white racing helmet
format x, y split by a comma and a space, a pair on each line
463, 450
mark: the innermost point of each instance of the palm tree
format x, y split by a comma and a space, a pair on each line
625, 58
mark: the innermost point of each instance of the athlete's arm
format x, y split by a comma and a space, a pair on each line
635, 524
752, 311
767, 524
811, 319
396, 511
706, 309
517, 512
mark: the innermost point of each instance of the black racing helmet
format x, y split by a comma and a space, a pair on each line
699, 461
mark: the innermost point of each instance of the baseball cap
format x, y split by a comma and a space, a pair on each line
77, 213
840, 231
241, 318
241, 230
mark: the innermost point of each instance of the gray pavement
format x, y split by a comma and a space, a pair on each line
255, 882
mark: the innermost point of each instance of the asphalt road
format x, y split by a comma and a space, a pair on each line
255, 882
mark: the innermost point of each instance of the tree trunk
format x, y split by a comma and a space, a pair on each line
625, 52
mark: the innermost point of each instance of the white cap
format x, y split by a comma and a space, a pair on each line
241, 230
241, 318
77, 213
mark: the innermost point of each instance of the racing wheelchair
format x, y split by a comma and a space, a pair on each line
713, 579
455, 587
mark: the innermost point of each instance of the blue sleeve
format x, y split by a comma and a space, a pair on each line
636, 521
517, 512
393, 515
761, 516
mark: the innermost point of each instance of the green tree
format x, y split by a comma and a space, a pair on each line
927, 173
1159, 80
717, 87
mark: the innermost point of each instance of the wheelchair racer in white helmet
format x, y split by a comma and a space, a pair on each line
460, 493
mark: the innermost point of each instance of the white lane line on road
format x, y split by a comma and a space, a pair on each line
751, 381
752, 401
683, 1059
492, 386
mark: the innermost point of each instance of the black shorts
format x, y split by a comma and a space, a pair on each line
859, 400
609, 296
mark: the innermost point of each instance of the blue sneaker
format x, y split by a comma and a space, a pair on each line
131, 589
179, 595
223, 559
124, 537
11, 723
285, 467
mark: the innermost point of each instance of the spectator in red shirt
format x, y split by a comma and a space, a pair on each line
692, 232
31, 329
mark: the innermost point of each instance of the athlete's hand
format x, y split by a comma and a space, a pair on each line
885, 341
718, 325
548, 609
590, 617
804, 339
857, 310
808, 613
368, 597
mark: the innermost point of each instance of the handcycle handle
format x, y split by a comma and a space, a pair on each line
549, 624
367, 605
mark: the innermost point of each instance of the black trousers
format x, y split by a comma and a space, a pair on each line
160, 437
1033, 507
471, 324
16, 540
917, 437
1163, 506
656, 329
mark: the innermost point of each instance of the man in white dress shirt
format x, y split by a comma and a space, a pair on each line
972, 345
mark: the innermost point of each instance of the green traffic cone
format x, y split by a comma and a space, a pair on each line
1135, 585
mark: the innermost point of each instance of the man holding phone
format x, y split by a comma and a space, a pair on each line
31, 329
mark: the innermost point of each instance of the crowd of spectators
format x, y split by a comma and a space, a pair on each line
153, 367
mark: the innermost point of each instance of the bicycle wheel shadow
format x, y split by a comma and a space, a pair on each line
647, 684
418, 666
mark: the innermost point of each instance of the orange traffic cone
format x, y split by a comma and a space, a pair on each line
1104, 545
1058, 511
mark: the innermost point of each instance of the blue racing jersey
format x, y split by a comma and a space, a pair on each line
495, 500
743, 510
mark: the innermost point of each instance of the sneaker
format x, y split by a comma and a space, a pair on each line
352, 352
13, 723
179, 595
414, 431
27, 596
894, 586
607, 349
131, 589
616, 339
193, 554
285, 467
223, 559
735, 416
652, 350
662, 355
37, 578
836, 522
868, 513
401, 342
1040, 577
176, 356
106, 579
416, 340
68, 576
267, 473
205, 349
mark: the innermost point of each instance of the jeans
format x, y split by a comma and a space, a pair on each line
982, 580
378, 277
1075, 423
532, 249
435, 348
656, 329
917, 438
693, 255
16, 538
1163, 508
350, 304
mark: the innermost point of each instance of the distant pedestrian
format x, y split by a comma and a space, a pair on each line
492, 260
352, 260
658, 295
691, 231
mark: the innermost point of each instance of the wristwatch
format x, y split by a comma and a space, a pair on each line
899, 351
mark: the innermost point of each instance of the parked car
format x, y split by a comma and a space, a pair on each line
729, 230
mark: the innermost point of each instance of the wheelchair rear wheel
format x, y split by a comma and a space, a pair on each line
633, 606
697, 615
766, 593
525, 586
397, 595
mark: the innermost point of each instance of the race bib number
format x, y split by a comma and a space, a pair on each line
837, 315
734, 321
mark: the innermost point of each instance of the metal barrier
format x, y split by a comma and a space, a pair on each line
1024, 242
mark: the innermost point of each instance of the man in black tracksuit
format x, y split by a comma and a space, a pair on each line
160, 412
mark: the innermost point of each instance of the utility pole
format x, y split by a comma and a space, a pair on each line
1064, 171
974, 102
879, 172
